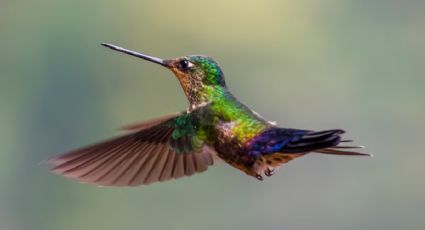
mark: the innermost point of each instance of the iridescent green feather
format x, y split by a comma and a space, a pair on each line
220, 107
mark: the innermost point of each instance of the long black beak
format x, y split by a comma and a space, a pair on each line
136, 54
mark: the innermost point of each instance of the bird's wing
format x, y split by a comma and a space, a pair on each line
149, 123
141, 157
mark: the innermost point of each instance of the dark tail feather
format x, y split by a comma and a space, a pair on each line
312, 141
326, 142
342, 150
336, 151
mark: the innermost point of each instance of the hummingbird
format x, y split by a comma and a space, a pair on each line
215, 126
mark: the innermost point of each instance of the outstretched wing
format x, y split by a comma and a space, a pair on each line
141, 157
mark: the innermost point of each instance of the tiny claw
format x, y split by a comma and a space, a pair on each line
269, 172
259, 177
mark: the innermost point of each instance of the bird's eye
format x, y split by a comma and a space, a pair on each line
184, 65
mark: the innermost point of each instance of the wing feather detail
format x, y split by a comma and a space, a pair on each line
138, 158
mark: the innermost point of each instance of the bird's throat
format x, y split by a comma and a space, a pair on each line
200, 96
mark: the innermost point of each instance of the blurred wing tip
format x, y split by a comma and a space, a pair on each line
45, 162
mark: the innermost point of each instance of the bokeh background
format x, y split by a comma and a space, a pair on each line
352, 64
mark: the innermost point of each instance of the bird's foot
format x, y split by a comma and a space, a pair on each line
269, 172
259, 177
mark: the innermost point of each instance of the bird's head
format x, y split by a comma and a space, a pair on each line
200, 76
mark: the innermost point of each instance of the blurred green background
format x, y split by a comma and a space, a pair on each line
352, 64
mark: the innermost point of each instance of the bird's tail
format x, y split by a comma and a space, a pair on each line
325, 142
344, 150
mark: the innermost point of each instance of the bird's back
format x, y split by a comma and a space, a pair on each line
235, 122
